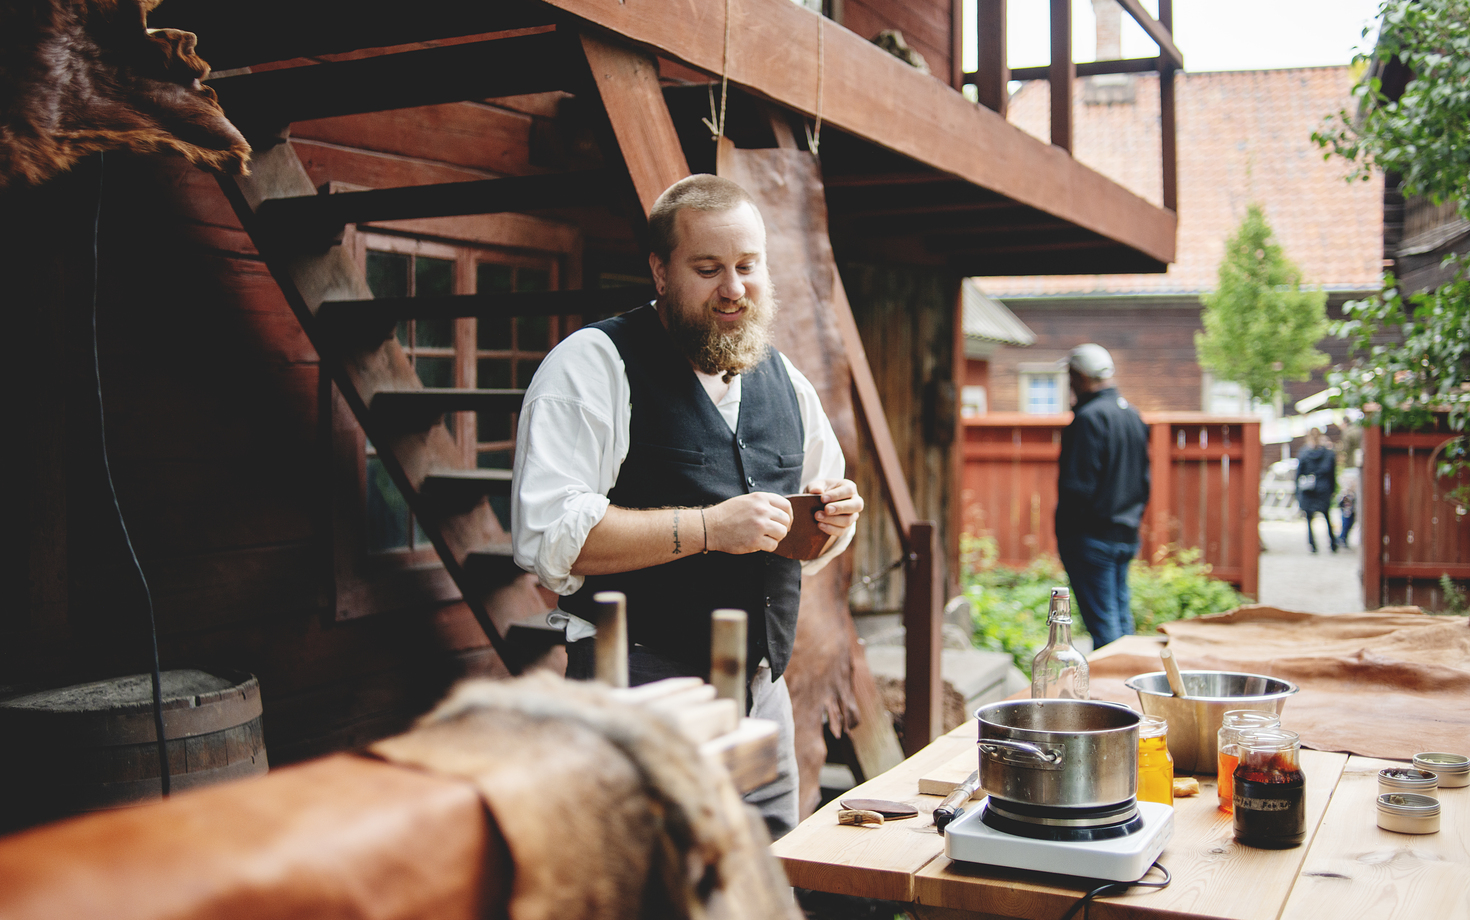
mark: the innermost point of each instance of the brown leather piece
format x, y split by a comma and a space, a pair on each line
1385, 683
606, 809
342, 837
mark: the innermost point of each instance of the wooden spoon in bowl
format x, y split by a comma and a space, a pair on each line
1171, 668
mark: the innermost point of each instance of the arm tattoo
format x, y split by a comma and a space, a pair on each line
676, 532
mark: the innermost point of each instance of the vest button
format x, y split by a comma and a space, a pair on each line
750, 481
740, 442
768, 602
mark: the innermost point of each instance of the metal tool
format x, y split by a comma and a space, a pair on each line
954, 803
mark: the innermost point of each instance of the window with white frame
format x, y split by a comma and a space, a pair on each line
1043, 389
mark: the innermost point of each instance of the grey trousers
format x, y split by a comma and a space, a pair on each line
779, 800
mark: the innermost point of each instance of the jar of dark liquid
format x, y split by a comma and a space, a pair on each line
1270, 804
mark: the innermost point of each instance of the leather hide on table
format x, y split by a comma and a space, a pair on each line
1389, 683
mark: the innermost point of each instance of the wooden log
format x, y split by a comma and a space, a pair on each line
1062, 73
727, 655
611, 650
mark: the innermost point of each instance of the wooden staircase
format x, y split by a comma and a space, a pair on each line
299, 231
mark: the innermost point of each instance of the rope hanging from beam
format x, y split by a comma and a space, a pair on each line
814, 138
716, 122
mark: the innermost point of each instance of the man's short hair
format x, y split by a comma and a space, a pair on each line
702, 192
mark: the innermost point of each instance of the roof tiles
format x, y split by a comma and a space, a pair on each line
1243, 136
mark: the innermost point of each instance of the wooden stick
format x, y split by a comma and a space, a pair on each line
727, 656
611, 649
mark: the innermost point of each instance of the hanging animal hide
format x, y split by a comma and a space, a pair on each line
82, 76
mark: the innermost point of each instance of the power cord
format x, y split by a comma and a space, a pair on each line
1121, 887
162, 743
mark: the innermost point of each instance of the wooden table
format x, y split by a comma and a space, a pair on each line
1348, 868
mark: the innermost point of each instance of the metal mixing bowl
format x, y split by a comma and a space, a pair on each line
1194, 723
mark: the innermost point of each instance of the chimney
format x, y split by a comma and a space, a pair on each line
1109, 29
1113, 88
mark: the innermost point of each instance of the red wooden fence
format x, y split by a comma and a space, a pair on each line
1419, 534
1206, 474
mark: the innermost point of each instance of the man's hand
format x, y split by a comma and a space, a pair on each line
748, 523
841, 504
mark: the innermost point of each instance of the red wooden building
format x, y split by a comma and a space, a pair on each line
310, 374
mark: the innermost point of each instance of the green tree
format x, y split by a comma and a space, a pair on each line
1412, 349
1260, 327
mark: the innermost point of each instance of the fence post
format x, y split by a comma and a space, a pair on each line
1161, 481
1250, 525
923, 614
1370, 533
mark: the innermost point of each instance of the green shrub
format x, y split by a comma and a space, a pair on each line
1010, 604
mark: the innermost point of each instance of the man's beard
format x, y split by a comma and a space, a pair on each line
714, 347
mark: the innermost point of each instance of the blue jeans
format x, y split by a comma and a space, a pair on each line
1098, 571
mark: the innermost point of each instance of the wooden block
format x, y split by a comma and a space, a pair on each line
942, 780
689, 696
646, 693
1354, 868
749, 753
708, 720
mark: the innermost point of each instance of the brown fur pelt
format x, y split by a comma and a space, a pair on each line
607, 810
82, 76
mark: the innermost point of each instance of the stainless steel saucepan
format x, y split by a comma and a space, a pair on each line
1059, 753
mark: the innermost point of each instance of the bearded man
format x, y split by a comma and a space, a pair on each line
653, 456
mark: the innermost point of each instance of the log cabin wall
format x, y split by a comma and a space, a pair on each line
906, 317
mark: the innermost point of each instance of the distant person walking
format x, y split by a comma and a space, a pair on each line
1347, 506
1102, 488
1316, 481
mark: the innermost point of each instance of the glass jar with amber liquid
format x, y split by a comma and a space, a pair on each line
1270, 790
1235, 721
1155, 765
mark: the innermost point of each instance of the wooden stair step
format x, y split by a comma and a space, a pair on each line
457, 491
313, 219
369, 323
421, 409
478, 70
492, 566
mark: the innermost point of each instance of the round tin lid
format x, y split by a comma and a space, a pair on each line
1408, 804
1442, 762
1408, 778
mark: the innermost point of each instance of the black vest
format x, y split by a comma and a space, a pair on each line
681, 453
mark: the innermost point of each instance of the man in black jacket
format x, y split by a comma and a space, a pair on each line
1316, 481
1102, 488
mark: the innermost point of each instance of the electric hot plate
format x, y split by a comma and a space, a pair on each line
1119, 859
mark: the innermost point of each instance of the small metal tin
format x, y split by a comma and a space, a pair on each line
1408, 779
1453, 769
1408, 813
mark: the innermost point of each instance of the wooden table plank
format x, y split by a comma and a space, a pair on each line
1355, 869
874, 862
1213, 876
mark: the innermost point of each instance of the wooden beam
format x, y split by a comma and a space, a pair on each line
991, 74
1370, 532
923, 616
1091, 68
1156, 30
627, 82
1168, 130
503, 67
1062, 73
872, 95
957, 44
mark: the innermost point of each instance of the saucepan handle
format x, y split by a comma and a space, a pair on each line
995, 746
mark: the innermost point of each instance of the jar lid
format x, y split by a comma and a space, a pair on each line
1408, 778
1442, 762
1408, 804
1152, 727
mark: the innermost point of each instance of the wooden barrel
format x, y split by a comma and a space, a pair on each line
93, 746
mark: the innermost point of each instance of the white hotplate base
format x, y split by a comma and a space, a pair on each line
1124, 859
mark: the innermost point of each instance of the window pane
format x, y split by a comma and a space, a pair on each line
492, 426
533, 279
433, 277
495, 460
402, 332
387, 512
387, 274
435, 372
525, 370
493, 334
1042, 396
533, 333
433, 333
491, 278
494, 374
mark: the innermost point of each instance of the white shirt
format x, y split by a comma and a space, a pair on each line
571, 442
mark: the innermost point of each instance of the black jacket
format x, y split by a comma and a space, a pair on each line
1316, 479
1103, 476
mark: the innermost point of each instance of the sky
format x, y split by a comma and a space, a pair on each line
1212, 34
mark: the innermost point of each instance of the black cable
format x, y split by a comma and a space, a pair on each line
163, 774
1121, 886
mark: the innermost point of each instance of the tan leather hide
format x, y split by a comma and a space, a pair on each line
82, 76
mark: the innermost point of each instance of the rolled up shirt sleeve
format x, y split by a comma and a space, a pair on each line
823, 459
569, 448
